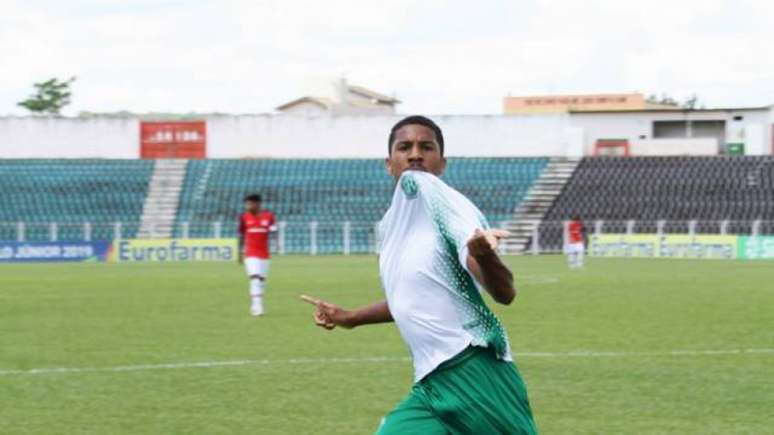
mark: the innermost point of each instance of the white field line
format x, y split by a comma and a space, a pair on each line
368, 360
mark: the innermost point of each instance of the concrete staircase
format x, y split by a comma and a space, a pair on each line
160, 208
538, 201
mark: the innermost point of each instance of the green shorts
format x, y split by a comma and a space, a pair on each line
472, 393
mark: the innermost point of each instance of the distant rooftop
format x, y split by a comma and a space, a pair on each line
581, 103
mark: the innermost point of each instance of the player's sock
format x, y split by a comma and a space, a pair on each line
580, 259
256, 295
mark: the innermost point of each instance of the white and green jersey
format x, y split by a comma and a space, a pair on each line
436, 303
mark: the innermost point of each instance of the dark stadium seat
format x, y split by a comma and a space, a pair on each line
739, 189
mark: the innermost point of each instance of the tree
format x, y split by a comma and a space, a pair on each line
690, 103
50, 97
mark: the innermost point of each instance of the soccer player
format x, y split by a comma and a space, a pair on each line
576, 236
436, 254
255, 225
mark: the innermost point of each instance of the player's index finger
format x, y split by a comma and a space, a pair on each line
501, 233
311, 300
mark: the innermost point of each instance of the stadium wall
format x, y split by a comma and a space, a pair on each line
278, 136
54, 138
292, 136
366, 136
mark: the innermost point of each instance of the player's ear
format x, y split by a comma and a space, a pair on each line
388, 166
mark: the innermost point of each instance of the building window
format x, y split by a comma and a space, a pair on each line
665, 129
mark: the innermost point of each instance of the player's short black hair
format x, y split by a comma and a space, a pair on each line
254, 197
415, 120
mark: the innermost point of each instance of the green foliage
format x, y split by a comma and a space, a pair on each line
49, 97
690, 103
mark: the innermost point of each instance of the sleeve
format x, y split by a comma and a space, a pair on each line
241, 225
467, 228
454, 215
468, 220
379, 237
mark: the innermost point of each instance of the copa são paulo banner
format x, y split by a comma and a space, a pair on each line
18, 252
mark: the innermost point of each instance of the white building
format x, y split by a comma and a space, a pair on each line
677, 131
337, 97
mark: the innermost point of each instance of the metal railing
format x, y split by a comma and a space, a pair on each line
551, 236
360, 237
291, 238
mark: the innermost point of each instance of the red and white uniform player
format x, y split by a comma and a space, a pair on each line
576, 235
255, 225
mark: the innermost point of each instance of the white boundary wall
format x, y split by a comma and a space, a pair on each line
288, 136
279, 136
366, 136
69, 138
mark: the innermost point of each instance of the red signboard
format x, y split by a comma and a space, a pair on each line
173, 140
611, 147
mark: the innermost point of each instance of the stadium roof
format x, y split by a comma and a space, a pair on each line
329, 102
677, 110
325, 103
372, 94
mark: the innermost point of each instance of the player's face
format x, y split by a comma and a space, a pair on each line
415, 147
252, 206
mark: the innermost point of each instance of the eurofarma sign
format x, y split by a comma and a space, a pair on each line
174, 250
664, 246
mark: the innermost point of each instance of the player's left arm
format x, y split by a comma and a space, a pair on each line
241, 241
487, 267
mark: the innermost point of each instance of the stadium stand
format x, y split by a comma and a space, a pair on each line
739, 189
70, 192
331, 192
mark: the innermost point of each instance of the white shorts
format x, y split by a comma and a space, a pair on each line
574, 248
257, 266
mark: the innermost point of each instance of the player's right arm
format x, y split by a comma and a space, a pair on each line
241, 239
329, 316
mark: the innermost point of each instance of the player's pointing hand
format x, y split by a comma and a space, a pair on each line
328, 315
485, 242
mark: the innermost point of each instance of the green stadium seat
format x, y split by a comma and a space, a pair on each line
333, 191
71, 192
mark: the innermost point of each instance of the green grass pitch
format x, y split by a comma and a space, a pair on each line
625, 346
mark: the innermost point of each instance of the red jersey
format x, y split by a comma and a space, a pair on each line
255, 229
575, 230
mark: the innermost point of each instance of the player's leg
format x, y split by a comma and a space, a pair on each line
256, 295
581, 253
480, 394
412, 417
574, 259
260, 285
568, 254
254, 273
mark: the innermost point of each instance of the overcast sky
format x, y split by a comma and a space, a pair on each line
248, 56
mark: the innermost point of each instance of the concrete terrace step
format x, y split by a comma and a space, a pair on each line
536, 203
161, 203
